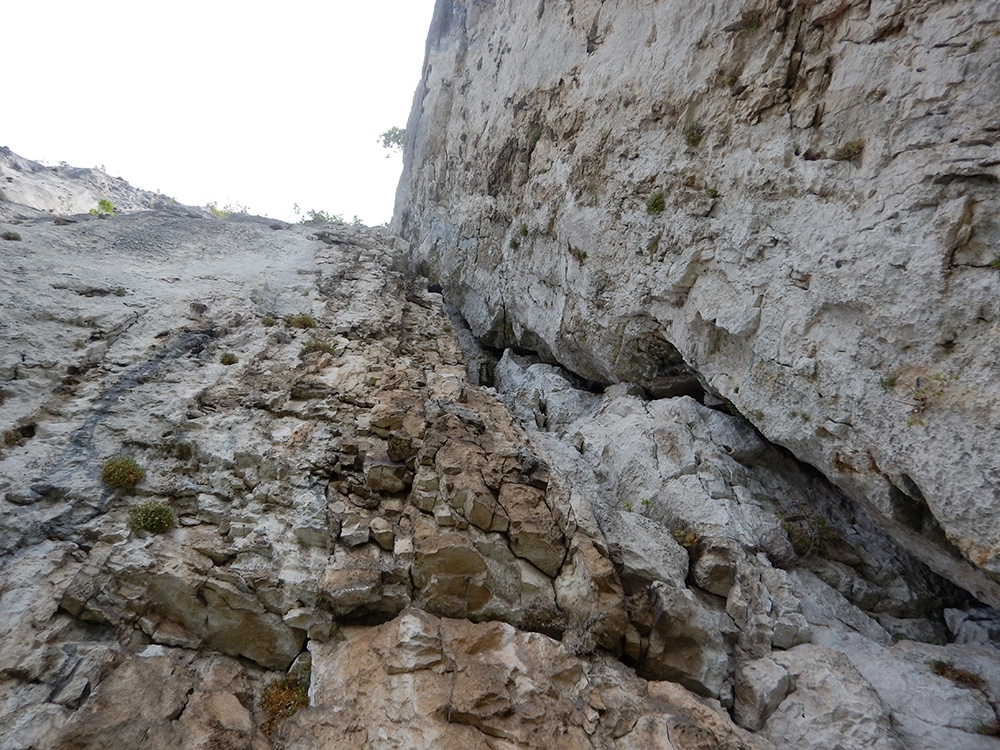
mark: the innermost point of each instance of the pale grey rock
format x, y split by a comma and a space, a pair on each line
714, 569
284, 471
542, 393
822, 256
928, 710
760, 687
977, 626
790, 629
830, 705
821, 605
646, 554
37, 724
63, 190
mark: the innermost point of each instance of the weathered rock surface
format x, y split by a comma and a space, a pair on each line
341, 471
798, 200
786, 603
445, 683
436, 563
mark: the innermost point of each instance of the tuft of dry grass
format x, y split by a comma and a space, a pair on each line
152, 516
961, 677
686, 538
849, 151
315, 345
122, 472
301, 321
282, 699
693, 133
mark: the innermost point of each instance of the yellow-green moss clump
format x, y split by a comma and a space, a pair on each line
152, 516
122, 472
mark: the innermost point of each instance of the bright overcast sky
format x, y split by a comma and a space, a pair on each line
261, 104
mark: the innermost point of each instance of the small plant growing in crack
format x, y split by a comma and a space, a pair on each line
315, 345
924, 394
122, 472
14, 438
281, 699
104, 208
229, 359
850, 150
693, 134
989, 729
921, 395
152, 516
961, 677
755, 20
301, 321
656, 203
807, 534
686, 538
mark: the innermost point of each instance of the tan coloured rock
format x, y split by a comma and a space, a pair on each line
156, 702
534, 533
450, 684
386, 477
589, 590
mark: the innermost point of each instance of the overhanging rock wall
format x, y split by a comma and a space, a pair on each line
796, 199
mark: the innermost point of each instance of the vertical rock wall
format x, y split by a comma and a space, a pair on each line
796, 199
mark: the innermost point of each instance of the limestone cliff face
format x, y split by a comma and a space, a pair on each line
797, 200
435, 564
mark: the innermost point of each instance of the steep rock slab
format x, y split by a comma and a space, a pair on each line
797, 199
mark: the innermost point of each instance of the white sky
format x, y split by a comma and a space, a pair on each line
261, 104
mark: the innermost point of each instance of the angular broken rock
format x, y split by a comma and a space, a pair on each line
685, 642
760, 687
